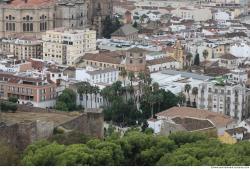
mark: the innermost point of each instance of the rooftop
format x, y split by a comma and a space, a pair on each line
238, 130
125, 30
186, 74
217, 119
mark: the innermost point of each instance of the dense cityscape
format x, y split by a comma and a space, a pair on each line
124, 82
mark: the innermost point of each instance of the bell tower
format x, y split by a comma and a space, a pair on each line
98, 10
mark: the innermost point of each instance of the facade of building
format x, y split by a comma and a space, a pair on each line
135, 60
35, 91
34, 17
67, 46
228, 61
103, 60
98, 10
162, 64
224, 97
196, 14
23, 48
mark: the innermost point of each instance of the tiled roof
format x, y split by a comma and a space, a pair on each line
106, 57
137, 50
191, 124
217, 119
228, 56
125, 30
160, 61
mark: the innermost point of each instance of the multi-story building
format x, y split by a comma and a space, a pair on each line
225, 97
196, 14
229, 61
65, 46
35, 91
103, 60
22, 48
34, 17
135, 60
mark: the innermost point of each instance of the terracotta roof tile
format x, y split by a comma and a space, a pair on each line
160, 61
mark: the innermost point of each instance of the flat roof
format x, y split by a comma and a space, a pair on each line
186, 74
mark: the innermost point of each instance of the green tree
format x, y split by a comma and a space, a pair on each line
195, 93
205, 56
197, 59
66, 101
135, 24
189, 58
42, 153
13, 99
187, 88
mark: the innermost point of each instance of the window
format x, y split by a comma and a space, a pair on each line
209, 90
222, 91
131, 61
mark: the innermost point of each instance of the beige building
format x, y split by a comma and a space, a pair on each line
193, 13
65, 46
135, 60
35, 17
22, 48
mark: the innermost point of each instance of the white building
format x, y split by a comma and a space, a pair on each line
240, 50
222, 16
220, 95
105, 76
192, 13
65, 46
164, 63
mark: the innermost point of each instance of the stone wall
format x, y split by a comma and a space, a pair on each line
24, 133
91, 124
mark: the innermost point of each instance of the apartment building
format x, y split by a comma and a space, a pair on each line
35, 91
22, 48
224, 96
66, 46
193, 13
229, 61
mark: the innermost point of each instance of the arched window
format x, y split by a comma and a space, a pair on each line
43, 23
10, 25
24, 27
31, 27
27, 25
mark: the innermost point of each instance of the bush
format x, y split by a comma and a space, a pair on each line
13, 99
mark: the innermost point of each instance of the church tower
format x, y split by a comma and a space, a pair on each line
98, 10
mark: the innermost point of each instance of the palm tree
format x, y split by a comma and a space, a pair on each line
131, 77
189, 57
124, 74
105, 94
83, 88
182, 98
195, 93
155, 86
187, 89
96, 90
91, 91
205, 55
